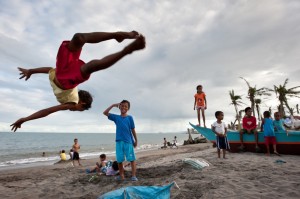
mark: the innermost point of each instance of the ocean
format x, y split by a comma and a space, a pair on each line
19, 150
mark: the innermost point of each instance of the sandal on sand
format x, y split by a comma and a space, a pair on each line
280, 161
118, 178
133, 178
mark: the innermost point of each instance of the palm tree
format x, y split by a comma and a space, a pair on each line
235, 101
257, 103
253, 92
282, 93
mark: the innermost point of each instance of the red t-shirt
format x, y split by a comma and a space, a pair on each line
249, 123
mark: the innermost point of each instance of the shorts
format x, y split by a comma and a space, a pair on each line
270, 140
75, 156
222, 143
200, 107
245, 131
124, 149
68, 65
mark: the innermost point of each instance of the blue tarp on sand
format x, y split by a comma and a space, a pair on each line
143, 192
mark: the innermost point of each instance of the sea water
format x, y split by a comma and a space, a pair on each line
26, 149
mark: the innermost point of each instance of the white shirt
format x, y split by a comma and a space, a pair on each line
219, 127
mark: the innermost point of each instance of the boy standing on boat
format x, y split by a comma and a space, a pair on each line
220, 129
126, 138
268, 128
249, 127
200, 101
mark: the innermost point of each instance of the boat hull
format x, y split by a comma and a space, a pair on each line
285, 144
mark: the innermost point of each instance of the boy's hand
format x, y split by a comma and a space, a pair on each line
117, 105
135, 144
25, 73
17, 124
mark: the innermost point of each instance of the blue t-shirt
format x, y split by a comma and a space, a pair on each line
268, 127
124, 126
278, 125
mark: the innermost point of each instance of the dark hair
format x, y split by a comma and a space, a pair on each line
198, 86
126, 101
246, 109
63, 151
217, 113
267, 114
102, 156
86, 98
115, 166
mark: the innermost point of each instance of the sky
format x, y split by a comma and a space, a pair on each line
189, 43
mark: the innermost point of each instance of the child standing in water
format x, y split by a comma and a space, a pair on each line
200, 104
70, 71
126, 139
220, 129
267, 127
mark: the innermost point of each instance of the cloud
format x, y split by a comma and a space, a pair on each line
188, 43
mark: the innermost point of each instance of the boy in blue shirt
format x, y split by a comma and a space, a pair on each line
126, 139
267, 127
278, 123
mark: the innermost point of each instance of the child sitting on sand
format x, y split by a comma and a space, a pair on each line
70, 71
110, 169
100, 167
63, 155
268, 128
220, 129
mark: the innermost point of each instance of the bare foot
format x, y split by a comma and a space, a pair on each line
120, 36
138, 44
276, 153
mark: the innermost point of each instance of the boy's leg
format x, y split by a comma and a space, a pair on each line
219, 153
268, 149
256, 137
133, 168
241, 137
96, 65
79, 39
121, 170
203, 116
224, 152
275, 150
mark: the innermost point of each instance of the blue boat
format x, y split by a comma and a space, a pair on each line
286, 144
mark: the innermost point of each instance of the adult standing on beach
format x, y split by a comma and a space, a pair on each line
201, 104
126, 139
71, 71
76, 148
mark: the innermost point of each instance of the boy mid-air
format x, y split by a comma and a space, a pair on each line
70, 71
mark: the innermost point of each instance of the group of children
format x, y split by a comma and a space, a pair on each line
268, 127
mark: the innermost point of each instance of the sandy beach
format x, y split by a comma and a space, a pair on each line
241, 175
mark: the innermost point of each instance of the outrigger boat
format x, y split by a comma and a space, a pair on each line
286, 144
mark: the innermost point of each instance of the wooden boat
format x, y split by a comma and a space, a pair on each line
285, 144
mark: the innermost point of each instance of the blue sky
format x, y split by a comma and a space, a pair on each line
211, 43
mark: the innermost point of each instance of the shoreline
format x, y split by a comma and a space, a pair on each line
241, 175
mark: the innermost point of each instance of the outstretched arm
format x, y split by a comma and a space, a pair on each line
135, 137
40, 114
28, 72
106, 112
